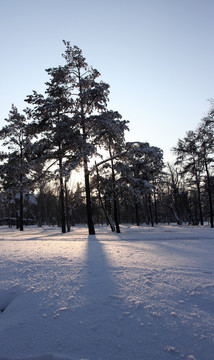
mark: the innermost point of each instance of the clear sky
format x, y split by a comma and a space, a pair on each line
156, 55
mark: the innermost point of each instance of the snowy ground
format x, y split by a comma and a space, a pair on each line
144, 294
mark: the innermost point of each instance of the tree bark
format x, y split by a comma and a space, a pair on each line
67, 208
199, 202
150, 210
91, 229
21, 226
62, 198
209, 195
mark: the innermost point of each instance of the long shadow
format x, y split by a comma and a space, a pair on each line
110, 328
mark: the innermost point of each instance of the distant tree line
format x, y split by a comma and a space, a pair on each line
70, 127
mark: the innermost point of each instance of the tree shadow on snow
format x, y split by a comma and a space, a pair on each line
109, 329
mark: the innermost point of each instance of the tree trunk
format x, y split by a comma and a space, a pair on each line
109, 220
211, 208
209, 196
67, 208
91, 229
199, 203
62, 198
116, 217
155, 207
137, 213
150, 210
175, 195
62, 206
21, 227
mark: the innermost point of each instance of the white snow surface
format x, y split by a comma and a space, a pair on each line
144, 294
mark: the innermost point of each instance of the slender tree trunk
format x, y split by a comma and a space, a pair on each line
21, 227
175, 195
199, 203
91, 229
62, 198
109, 220
150, 210
116, 217
62, 206
176, 210
209, 196
155, 207
211, 208
137, 213
146, 210
39, 209
67, 208
17, 221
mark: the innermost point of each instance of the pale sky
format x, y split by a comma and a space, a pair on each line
156, 55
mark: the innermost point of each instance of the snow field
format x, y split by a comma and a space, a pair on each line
147, 293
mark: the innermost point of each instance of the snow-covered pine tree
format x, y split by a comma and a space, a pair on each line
188, 154
205, 139
90, 97
15, 167
142, 166
110, 134
55, 122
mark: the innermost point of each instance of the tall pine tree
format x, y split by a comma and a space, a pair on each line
15, 169
54, 119
90, 97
